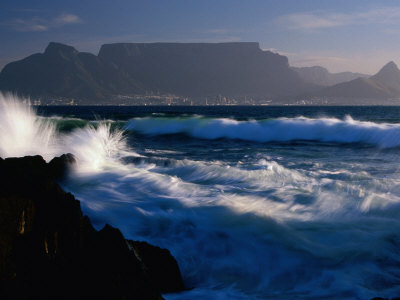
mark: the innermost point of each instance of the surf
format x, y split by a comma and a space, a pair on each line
245, 218
332, 130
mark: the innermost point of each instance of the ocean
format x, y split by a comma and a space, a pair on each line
291, 202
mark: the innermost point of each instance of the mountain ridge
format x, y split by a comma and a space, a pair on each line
321, 76
185, 69
383, 85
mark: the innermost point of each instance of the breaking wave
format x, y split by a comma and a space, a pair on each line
246, 223
334, 130
23, 132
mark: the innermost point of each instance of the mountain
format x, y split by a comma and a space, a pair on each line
184, 69
62, 71
206, 69
321, 76
383, 85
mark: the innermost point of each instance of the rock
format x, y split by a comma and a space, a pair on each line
161, 266
48, 249
58, 166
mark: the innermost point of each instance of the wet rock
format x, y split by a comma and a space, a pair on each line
59, 166
160, 265
48, 249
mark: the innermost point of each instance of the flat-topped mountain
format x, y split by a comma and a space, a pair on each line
383, 85
321, 76
185, 69
198, 69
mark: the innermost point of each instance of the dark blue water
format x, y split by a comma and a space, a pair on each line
371, 113
254, 202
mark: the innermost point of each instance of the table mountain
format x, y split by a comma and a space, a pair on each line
183, 69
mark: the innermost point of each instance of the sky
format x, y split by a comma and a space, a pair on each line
352, 35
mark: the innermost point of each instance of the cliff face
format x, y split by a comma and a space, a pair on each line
185, 69
206, 69
48, 249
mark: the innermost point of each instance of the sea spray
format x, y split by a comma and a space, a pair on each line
94, 146
249, 212
22, 132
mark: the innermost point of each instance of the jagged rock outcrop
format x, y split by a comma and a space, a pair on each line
161, 265
48, 249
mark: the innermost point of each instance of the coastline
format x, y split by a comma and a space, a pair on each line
50, 249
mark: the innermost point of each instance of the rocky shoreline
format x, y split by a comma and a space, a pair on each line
49, 249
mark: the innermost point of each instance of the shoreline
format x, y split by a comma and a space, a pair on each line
48, 248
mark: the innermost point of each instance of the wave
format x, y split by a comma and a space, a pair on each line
22, 132
251, 228
94, 146
334, 130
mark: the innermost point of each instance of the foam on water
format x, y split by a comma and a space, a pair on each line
262, 227
275, 130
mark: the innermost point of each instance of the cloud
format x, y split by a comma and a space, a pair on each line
321, 20
33, 24
65, 19
36, 24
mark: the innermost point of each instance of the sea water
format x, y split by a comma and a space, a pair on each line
254, 202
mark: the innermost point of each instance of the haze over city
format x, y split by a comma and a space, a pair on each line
357, 36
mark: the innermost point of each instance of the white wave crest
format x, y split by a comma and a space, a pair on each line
382, 135
22, 132
95, 146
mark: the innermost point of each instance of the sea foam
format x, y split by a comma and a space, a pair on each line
382, 135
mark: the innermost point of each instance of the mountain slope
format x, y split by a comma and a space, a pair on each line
64, 72
206, 69
385, 84
321, 76
184, 69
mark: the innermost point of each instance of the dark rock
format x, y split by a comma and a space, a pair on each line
48, 249
161, 266
58, 166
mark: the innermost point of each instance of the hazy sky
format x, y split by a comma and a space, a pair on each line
356, 35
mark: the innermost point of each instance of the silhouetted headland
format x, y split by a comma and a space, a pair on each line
49, 249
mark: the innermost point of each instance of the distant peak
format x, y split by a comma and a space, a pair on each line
389, 70
390, 66
54, 47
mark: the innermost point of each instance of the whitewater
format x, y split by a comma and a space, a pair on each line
254, 203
